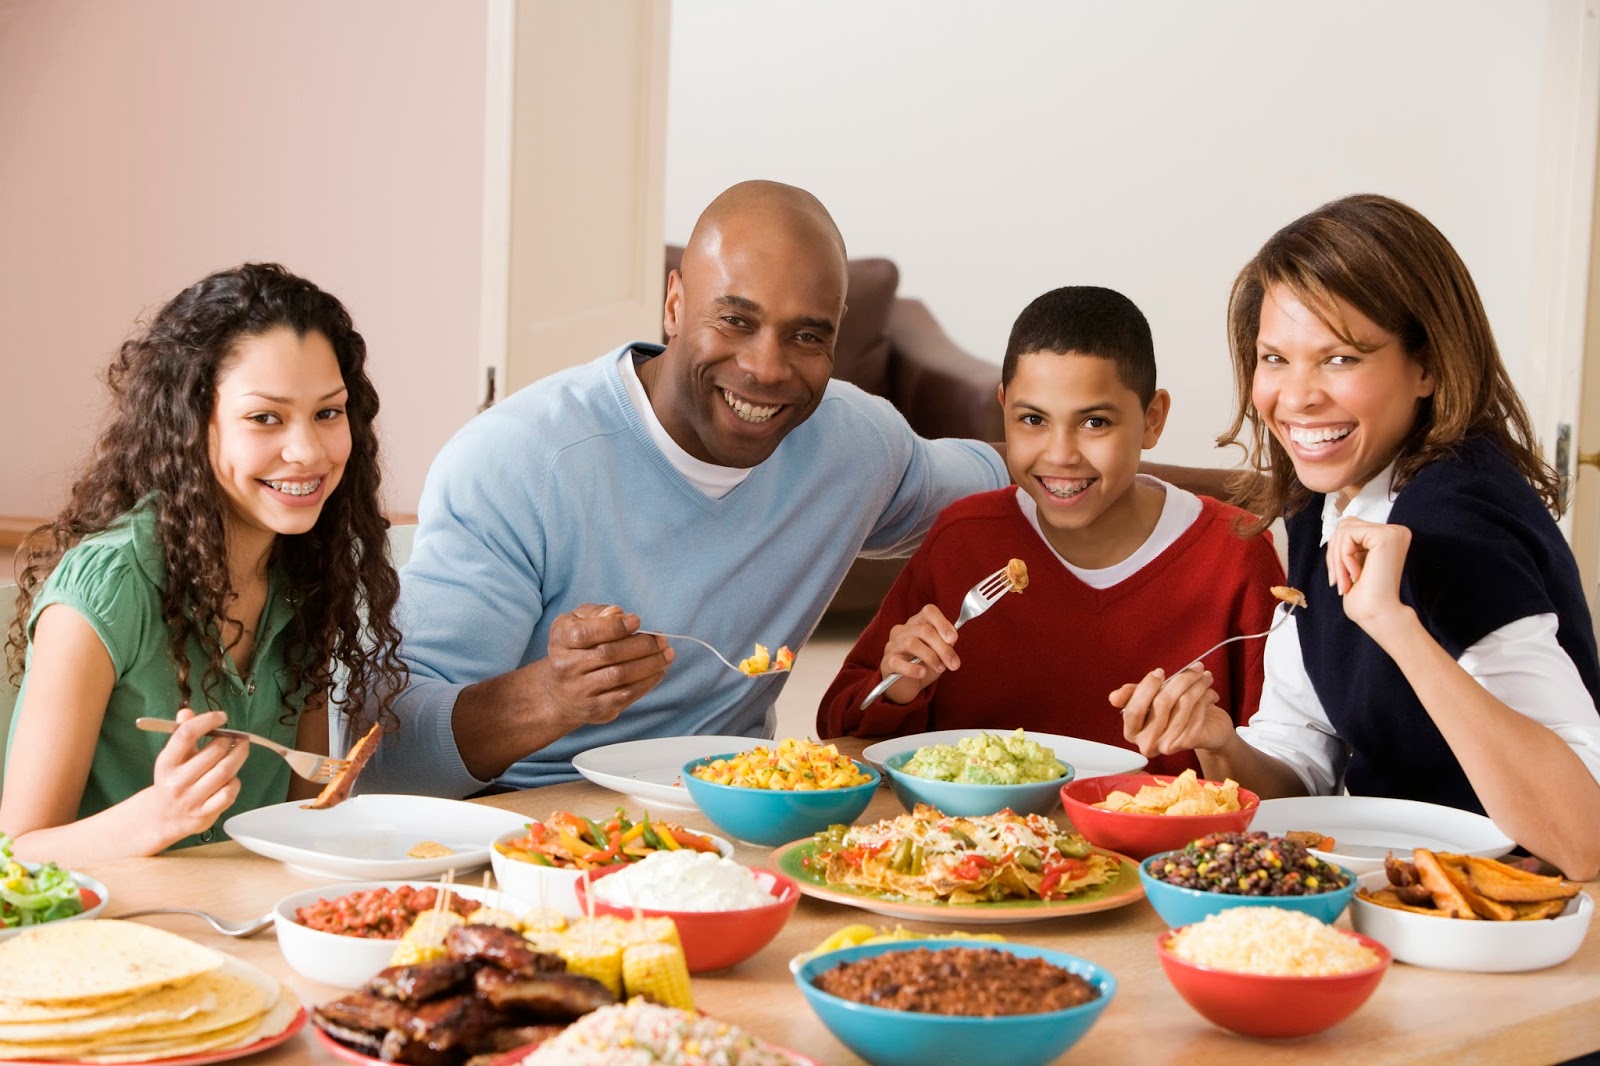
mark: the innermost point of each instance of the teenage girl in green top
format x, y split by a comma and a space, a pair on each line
224, 551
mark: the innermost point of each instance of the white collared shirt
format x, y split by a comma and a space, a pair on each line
1521, 664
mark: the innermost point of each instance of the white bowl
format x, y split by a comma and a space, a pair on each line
550, 886
349, 961
85, 883
1477, 946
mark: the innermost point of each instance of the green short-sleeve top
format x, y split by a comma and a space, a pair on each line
114, 580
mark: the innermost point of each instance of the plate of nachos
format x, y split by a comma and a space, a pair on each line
991, 869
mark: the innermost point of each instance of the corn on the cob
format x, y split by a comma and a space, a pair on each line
545, 920
487, 915
424, 941
657, 972
603, 962
652, 931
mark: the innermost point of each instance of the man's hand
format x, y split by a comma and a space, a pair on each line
597, 664
928, 636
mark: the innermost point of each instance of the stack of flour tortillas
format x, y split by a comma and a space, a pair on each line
110, 991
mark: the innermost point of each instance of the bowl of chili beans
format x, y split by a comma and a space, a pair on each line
912, 1002
343, 934
1223, 870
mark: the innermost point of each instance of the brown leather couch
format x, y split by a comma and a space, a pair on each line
893, 347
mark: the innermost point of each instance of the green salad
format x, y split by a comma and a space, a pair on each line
31, 897
987, 759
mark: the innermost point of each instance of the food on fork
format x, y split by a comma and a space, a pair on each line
1292, 596
797, 765
338, 790
764, 662
1017, 575
1447, 885
1184, 795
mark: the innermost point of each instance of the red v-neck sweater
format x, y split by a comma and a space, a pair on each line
1046, 660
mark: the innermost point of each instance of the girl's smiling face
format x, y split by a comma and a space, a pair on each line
1340, 410
279, 434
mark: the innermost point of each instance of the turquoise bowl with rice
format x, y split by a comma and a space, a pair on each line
968, 798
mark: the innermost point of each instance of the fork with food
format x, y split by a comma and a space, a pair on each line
759, 663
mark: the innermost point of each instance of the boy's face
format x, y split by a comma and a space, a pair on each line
1074, 434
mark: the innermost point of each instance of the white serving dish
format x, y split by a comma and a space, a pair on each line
1088, 758
648, 770
349, 961
551, 887
367, 837
1477, 946
84, 882
1367, 828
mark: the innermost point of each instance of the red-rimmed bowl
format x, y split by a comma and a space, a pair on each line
715, 940
1271, 1005
1140, 836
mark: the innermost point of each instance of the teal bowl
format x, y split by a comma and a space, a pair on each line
1184, 906
770, 816
903, 1038
968, 800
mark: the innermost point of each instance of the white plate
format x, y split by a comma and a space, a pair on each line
1366, 828
1476, 946
84, 882
648, 770
367, 837
1087, 758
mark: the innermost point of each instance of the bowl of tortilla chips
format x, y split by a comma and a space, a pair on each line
1140, 815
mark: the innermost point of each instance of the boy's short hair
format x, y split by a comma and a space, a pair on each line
1088, 320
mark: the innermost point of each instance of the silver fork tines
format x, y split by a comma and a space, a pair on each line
308, 764
978, 599
712, 650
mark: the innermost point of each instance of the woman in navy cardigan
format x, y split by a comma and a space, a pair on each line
1446, 653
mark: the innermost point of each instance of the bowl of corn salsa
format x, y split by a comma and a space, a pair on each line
1225, 870
770, 796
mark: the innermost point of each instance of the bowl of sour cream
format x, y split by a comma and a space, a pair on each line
725, 912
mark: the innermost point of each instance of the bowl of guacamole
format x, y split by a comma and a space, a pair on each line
980, 775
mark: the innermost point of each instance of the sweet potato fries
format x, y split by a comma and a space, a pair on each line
1464, 886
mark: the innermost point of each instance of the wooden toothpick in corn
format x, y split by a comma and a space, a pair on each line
657, 972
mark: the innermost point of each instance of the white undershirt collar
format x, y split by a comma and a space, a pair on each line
709, 478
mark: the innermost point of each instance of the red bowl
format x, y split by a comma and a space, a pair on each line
1268, 1005
1143, 835
714, 940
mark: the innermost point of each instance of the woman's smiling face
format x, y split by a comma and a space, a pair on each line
1340, 410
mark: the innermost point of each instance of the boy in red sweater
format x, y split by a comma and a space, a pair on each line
1126, 573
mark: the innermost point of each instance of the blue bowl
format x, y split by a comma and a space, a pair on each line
1183, 906
902, 1038
770, 817
968, 800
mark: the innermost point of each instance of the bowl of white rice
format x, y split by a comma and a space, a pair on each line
1270, 972
725, 912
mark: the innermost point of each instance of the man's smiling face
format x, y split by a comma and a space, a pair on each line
751, 322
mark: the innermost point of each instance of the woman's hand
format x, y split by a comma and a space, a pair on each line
1365, 561
1161, 717
193, 784
926, 635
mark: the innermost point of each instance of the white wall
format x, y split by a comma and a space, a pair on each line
996, 151
144, 145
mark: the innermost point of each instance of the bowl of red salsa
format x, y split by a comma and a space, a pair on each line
342, 934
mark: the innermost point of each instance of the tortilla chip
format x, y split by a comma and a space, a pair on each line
73, 961
429, 849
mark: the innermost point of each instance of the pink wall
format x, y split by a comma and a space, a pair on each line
143, 145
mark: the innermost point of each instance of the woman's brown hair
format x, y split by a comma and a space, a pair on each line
163, 387
1394, 266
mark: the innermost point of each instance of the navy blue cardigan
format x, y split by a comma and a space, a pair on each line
1484, 553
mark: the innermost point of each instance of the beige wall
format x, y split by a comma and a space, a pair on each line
143, 145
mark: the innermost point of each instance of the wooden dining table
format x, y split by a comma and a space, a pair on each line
1416, 1015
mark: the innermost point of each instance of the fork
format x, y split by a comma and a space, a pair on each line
308, 764
225, 926
714, 651
1288, 609
978, 599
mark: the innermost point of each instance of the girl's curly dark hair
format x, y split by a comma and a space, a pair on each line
163, 386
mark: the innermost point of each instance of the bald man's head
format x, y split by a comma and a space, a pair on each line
751, 318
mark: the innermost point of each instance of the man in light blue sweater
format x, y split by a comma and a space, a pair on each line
720, 486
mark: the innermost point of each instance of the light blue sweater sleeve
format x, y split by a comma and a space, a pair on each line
557, 497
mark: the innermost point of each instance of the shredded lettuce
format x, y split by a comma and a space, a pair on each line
29, 897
